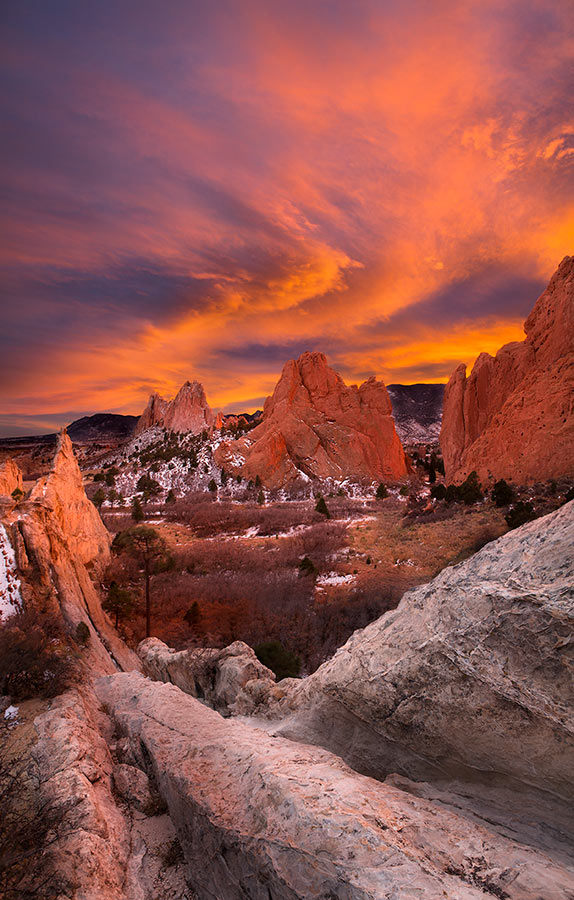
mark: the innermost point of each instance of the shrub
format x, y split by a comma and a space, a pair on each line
171, 498
569, 494
17, 494
382, 492
276, 657
519, 514
119, 602
438, 491
137, 511
212, 486
36, 659
82, 634
98, 497
193, 615
470, 491
502, 493
404, 491
148, 486
307, 567
321, 507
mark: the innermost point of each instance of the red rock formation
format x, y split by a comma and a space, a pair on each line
189, 411
317, 425
10, 477
513, 417
58, 539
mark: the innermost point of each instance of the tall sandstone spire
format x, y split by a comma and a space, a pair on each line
189, 411
513, 417
316, 426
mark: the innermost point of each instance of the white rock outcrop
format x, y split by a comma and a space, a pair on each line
471, 673
259, 816
216, 676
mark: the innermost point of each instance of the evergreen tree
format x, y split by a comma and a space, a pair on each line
212, 486
171, 498
146, 545
261, 498
321, 507
502, 493
382, 492
193, 615
137, 511
119, 602
98, 498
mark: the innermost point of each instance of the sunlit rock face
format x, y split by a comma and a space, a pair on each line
10, 477
189, 411
314, 425
61, 547
513, 417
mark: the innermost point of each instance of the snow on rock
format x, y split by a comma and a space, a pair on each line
11, 714
334, 579
10, 596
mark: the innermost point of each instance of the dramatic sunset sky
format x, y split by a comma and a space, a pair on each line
206, 189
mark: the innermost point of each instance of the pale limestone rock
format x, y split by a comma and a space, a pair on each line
259, 816
75, 766
216, 676
471, 673
133, 786
513, 417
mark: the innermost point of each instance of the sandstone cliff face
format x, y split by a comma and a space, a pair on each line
189, 411
314, 425
10, 477
513, 417
58, 539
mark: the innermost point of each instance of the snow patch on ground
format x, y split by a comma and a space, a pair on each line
10, 587
334, 579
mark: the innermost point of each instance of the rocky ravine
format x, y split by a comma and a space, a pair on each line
458, 705
315, 426
453, 714
513, 417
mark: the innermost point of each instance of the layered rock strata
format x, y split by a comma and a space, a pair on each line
259, 816
61, 547
470, 674
513, 416
314, 425
189, 411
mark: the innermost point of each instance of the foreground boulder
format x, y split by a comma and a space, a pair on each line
513, 417
314, 425
189, 411
216, 676
259, 816
470, 674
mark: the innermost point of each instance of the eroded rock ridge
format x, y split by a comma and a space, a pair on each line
513, 416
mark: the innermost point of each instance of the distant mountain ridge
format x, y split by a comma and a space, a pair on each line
100, 426
417, 411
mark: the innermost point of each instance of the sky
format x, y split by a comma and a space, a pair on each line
196, 190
